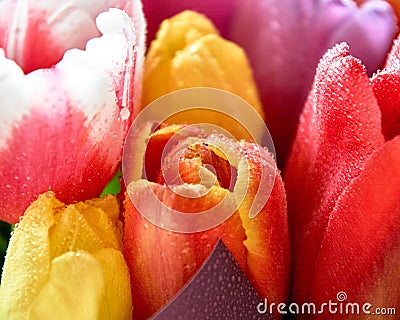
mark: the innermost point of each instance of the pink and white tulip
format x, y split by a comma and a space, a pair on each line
63, 126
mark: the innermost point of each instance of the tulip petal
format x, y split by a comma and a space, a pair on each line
161, 262
386, 84
367, 215
267, 241
93, 232
188, 52
63, 134
28, 259
288, 37
36, 34
73, 289
369, 31
84, 286
66, 260
339, 130
116, 301
108, 205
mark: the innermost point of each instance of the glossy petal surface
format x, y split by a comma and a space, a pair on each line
60, 262
386, 84
63, 128
360, 250
162, 262
36, 34
339, 130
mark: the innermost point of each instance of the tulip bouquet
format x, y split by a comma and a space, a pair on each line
311, 231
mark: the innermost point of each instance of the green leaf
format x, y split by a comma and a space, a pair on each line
113, 186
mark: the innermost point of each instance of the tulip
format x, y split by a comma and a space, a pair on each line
294, 36
161, 262
63, 126
284, 41
394, 3
65, 262
188, 52
343, 186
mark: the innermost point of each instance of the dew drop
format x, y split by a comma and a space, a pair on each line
125, 113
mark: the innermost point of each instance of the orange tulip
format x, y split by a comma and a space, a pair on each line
161, 262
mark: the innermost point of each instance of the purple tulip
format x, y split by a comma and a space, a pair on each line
287, 39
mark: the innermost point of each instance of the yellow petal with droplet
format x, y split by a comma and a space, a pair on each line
72, 232
82, 286
73, 290
117, 299
108, 204
27, 262
64, 262
188, 52
109, 232
85, 226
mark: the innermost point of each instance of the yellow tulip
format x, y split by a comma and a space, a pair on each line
188, 52
65, 262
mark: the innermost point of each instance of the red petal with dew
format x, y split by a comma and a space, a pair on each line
162, 262
386, 85
339, 130
360, 252
267, 235
64, 127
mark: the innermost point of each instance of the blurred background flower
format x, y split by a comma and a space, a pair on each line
284, 41
189, 52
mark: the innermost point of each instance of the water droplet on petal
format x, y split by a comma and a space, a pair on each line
125, 113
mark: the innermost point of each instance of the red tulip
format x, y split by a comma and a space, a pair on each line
63, 127
161, 262
343, 185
